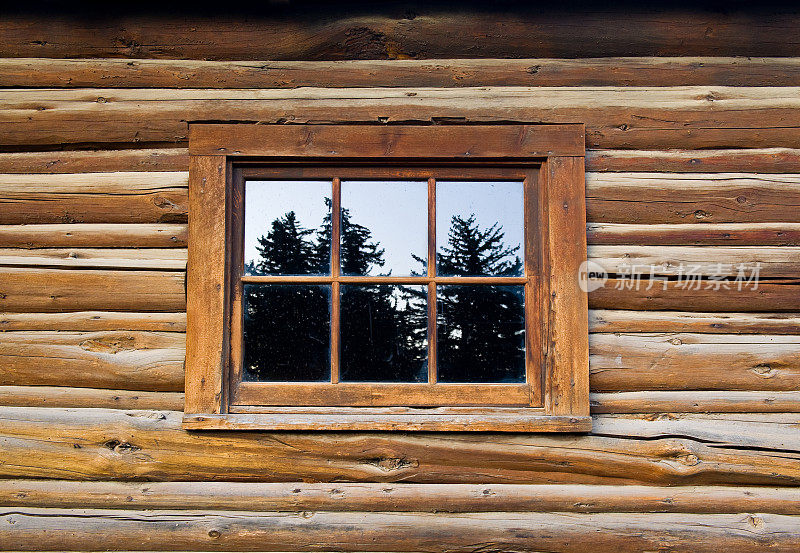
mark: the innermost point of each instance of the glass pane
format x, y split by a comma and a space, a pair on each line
287, 227
479, 228
384, 333
480, 333
286, 332
384, 227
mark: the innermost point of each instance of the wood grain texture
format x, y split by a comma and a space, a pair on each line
615, 118
397, 497
630, 362
752, 160
658, 198
149, 445
88, 321
623, 321
775, 295
337, 32
62, 396
125, 197
151, 361
695, 234
59, 530
159, 259
97, 235
631, 71
95, 161
696, 401
59, 290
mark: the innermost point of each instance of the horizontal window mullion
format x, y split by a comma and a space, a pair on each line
327, 279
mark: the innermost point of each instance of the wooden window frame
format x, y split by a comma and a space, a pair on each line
549, 159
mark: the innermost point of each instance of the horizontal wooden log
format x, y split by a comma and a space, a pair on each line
151, 361
632, 362
95, 161
111, 444
61, 396
398, 497
57, 529
133, 197
750, 160
658, 198
57, 290
727, 401
624, 117
634, 71
94, 236
88, 321
95, 258
715, 262
610, 320
337, 32
776, 295
695, 234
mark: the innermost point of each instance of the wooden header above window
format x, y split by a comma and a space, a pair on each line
496, 343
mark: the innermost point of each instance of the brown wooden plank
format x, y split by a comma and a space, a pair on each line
631, 362
631, 71
616, 118
696, 401
54, 529
338, 32
753, 160
56, 290
695, 234
387, 142
94, 236
614, 320
137, 197
95, 161
398, 497
162, 259
151, 361
62, 396
775, 295
207, 285
707, 261
658, 198
88, 321
149, 445
566, 382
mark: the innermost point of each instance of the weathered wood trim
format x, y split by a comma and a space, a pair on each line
487, 419
59, 530
150, 445
207, 285
387, 142
397, 497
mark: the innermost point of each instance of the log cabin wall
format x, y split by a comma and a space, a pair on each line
691, 159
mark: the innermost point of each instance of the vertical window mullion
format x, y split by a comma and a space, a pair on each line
431, 268
336, 216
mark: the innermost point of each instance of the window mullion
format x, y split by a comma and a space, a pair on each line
431, 269
336, 216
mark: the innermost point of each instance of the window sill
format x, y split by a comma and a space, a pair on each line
485, 419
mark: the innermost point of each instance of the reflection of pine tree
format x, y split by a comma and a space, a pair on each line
480, 327
286, 330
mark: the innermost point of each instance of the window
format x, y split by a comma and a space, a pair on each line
386, 277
